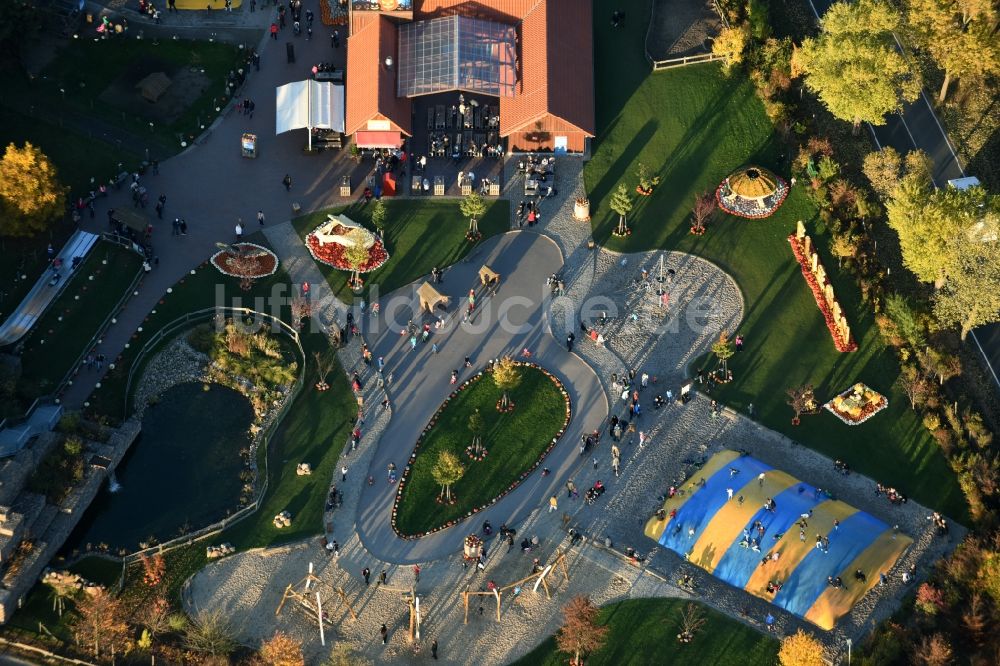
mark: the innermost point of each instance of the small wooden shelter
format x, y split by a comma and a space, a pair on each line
430, 298
153, 86
488, 276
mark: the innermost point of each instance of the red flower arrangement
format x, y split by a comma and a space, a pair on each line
227, 264
332, 254
817, 290
406, 470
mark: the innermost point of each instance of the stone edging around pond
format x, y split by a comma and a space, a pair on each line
416, 448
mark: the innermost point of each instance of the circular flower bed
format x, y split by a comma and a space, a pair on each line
497, 459
335, 254
264, 262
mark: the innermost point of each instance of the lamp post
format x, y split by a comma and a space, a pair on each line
849, 644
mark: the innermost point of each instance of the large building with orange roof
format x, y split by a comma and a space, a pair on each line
532, 58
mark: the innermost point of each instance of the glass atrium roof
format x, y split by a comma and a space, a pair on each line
456, 52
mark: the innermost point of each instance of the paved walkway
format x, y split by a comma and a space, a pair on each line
211, 186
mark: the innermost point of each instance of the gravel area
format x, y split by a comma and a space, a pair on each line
176, 363
680, 28
639, 335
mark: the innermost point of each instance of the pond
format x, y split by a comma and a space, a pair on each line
182, 472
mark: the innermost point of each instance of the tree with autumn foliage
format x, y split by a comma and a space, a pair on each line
99, 625
31, 197
704, 206
580, 634
281, 650
801, 649
153, 569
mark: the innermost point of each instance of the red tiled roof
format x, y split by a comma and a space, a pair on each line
371, 92
507, 11
556, 66
557, 69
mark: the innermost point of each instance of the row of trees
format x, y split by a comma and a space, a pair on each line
106, 626
855, 65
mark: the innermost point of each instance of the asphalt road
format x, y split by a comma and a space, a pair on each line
918, 127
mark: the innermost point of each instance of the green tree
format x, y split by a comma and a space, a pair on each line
971, 295
621, 203
356, 256
882, 169
731, 44
473, 207
907, 323
447, 471
853, 65
936, 226
476, 428
31, 196
959, 34
210, 633
379, 214
723, 350
507, 377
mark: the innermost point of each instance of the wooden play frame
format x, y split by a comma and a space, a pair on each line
539, 579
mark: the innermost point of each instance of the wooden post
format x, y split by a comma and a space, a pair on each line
412, 617
545, 585
806, 246
497, 593
828, 293
343, 598
465, 599
814, 261
800, 230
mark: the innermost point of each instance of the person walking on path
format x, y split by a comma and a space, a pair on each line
382, 577
434, 650
729, 493
569, 342
260, 217
385, 633
274, 31
570, 489
239, 229
287, 182
366, 573
343, 473
553, 504
335, 39
416, 573
642, 439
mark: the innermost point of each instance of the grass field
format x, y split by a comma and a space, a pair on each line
644, 631
62, 334
419, 235
514, 441
693, 126
96, 80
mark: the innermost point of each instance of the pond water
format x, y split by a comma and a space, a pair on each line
183, 470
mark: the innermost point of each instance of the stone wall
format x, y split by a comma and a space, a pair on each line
51, 526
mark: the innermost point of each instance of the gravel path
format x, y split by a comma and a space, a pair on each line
639, 334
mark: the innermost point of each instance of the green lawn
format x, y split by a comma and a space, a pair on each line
64, 331
514, 441
693, 126
644, 631
419, 235
96, 79
77, 159
314, 430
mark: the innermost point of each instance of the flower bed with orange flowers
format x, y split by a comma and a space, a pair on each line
817, 290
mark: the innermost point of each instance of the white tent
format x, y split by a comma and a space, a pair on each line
309, 104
